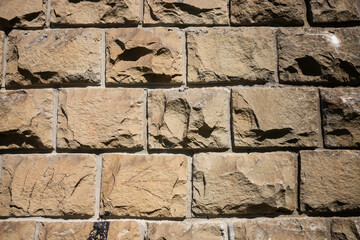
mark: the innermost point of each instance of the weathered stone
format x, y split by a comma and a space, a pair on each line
2, 37
194, 119
22, 14
78, 12
26, 119
101, 119
188, 12
259, 12
334, 11
223, 55
184, 230
275, 117
47, 185
320, 56
238, 184
54, 57
15, 230
330, 181
144, 56
126, 230
283, 229
341, 117
345, 228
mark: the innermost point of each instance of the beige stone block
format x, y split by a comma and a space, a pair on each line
15, 230
334, 11
345, 228
2, 39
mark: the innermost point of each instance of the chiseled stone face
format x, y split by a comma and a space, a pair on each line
15, 230
186, 12
144, 185
275, 117
341, 117
53, 57
236, 184
226, 55
319, 56
26, 119
193, 119
325, 11
330, 181
144, 56
96, 118
345, 228
47, 185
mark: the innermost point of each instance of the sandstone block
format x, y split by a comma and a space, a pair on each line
341, 117
101, 119
229, 55
2, 37
17, 230
26, 119
330, 182
259, 12
48, 185
144, 56
194, 119
144, 186
53, 57
188, 12
320, 56
275, 117
242, 184
334, 11
345, 228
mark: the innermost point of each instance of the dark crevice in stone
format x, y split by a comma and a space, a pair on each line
20, 139
134, 54
309, 66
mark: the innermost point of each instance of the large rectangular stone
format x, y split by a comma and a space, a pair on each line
17, 230
334, 11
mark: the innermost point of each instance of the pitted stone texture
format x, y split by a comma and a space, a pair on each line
334, 11
53, 57
275, 117
22, 14
341, 117
259, 12
2, 39
330, 182
188, 12
101, 119
126, 230
242, 184
17, 230
78, 12
144, 186
48, 185
193, 119
345, 228
144, 56
26, 119
230, 55
319, 56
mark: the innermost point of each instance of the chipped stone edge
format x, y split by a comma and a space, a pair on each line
55, 119
48, 14
4, 47
1, 161
184, 66
189, 193
103, 59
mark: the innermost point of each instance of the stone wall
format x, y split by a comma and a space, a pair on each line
192, 119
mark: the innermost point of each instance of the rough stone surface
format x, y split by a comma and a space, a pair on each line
341, 117
22, 14
330, 182
259, 12
275, 117
2, 39
345, 228
90, 230
48, 185
238, 184
26, 119
327, 11
320, 56
144, 185
194, 119
78, 12
188, 12
144, 56
17, 230
54, 57
101, 119
229, 55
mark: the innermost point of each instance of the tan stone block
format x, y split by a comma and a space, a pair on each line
14, 230
54, 57
330, 181
48, 185
345, 228
95, 118
2, 39
229, 55
188, 12
144, 56
275, 117
243, 184
144, 186
334, 11
193, 119
26, 119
